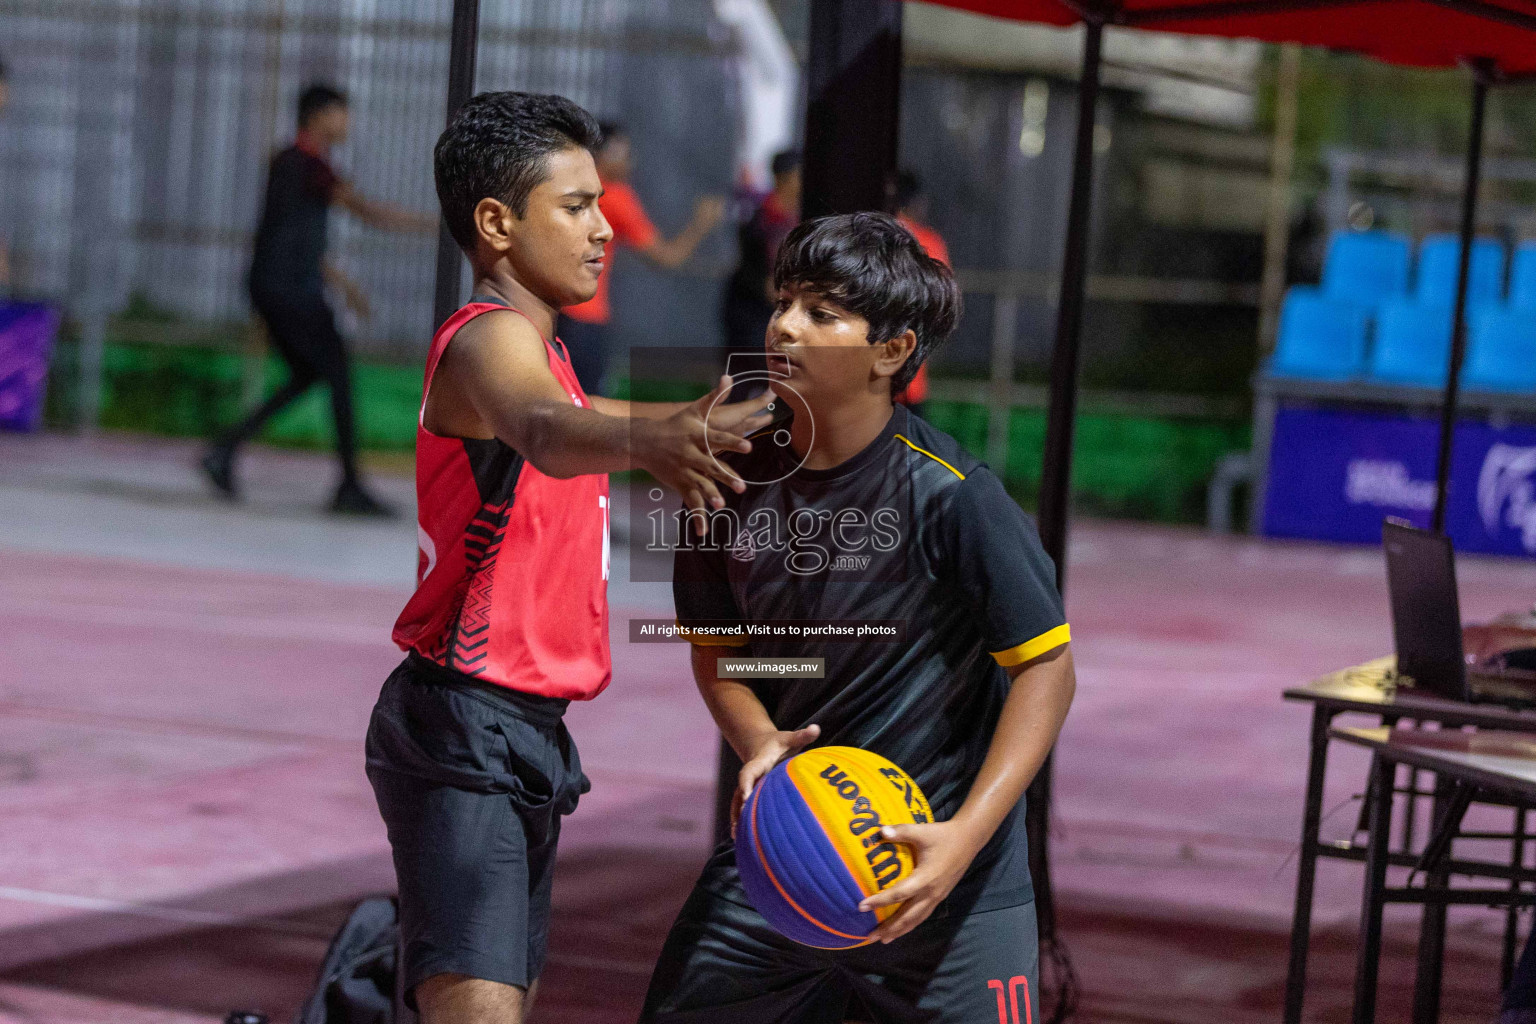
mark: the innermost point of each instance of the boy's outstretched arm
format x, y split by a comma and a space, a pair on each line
384, 216
745, 724
671, 253
639, 410
1037, 704
495, 379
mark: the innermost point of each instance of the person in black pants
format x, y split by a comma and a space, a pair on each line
747, 303
287, 282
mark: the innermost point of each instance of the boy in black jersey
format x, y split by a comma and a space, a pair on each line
862, 512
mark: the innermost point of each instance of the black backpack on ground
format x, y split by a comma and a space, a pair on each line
357, 980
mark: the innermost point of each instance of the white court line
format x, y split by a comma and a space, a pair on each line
244, 626
180, 915
214, 918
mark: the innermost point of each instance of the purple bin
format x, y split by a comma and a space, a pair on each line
26, 342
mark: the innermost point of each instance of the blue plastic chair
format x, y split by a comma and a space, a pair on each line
1522, 278
1367, 266
1413, 344
1438, 257
1501, 350
1321, 337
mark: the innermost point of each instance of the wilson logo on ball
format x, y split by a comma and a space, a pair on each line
809, 847
882, 856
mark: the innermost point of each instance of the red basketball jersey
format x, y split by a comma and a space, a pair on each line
512, 577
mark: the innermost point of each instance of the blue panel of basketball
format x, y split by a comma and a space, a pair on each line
823, 887
777, 826
762, 892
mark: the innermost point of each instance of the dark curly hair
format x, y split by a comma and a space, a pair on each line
872, 266
316, 97
497, 147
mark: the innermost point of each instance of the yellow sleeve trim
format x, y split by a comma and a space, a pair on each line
1032, 649
699, 639
932, 456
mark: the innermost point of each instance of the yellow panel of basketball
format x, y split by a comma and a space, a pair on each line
854, 793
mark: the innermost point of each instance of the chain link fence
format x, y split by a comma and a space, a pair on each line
134, 152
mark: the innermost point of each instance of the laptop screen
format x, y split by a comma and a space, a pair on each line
1426, 616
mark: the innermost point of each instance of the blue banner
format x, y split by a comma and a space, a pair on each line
1335, 475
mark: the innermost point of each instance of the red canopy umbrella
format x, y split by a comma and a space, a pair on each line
1495, 41
1417, 33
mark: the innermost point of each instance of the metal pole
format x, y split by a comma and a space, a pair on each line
1463, 276
462, 38
853, 105
1368, 955
1277, 219
1056, 476
1005, 322
1306, 866
93, 346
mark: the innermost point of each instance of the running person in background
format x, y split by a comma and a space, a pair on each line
969, 701
288, 279
911, 204
748, 301
584, 327
469, 759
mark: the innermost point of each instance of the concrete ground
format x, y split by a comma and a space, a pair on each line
184, 687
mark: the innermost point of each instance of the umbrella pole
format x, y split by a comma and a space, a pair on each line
1056, 475
1426, 988
462, 38
1463, 278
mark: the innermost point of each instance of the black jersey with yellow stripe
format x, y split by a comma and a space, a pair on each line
914, 577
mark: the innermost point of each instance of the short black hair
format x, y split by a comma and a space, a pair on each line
496, 147
870, 265
316, 97
785, 161
907, 188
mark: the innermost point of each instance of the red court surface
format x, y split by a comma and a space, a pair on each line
186, 820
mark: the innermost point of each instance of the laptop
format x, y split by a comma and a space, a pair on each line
1426, 623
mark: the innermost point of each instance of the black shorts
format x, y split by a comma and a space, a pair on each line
723, 962
472, 781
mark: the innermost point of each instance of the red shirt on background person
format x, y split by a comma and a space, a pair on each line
632, 229
908, 212
584, 327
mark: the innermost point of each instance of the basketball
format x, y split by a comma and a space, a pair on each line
808, 843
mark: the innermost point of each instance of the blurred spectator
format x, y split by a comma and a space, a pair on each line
584, 328
288, 279
911, 205
5, 252
749, 294
1306, 247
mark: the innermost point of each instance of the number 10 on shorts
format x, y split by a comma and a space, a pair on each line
1012, 1005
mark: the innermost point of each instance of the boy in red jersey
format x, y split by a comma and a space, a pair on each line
468, 757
